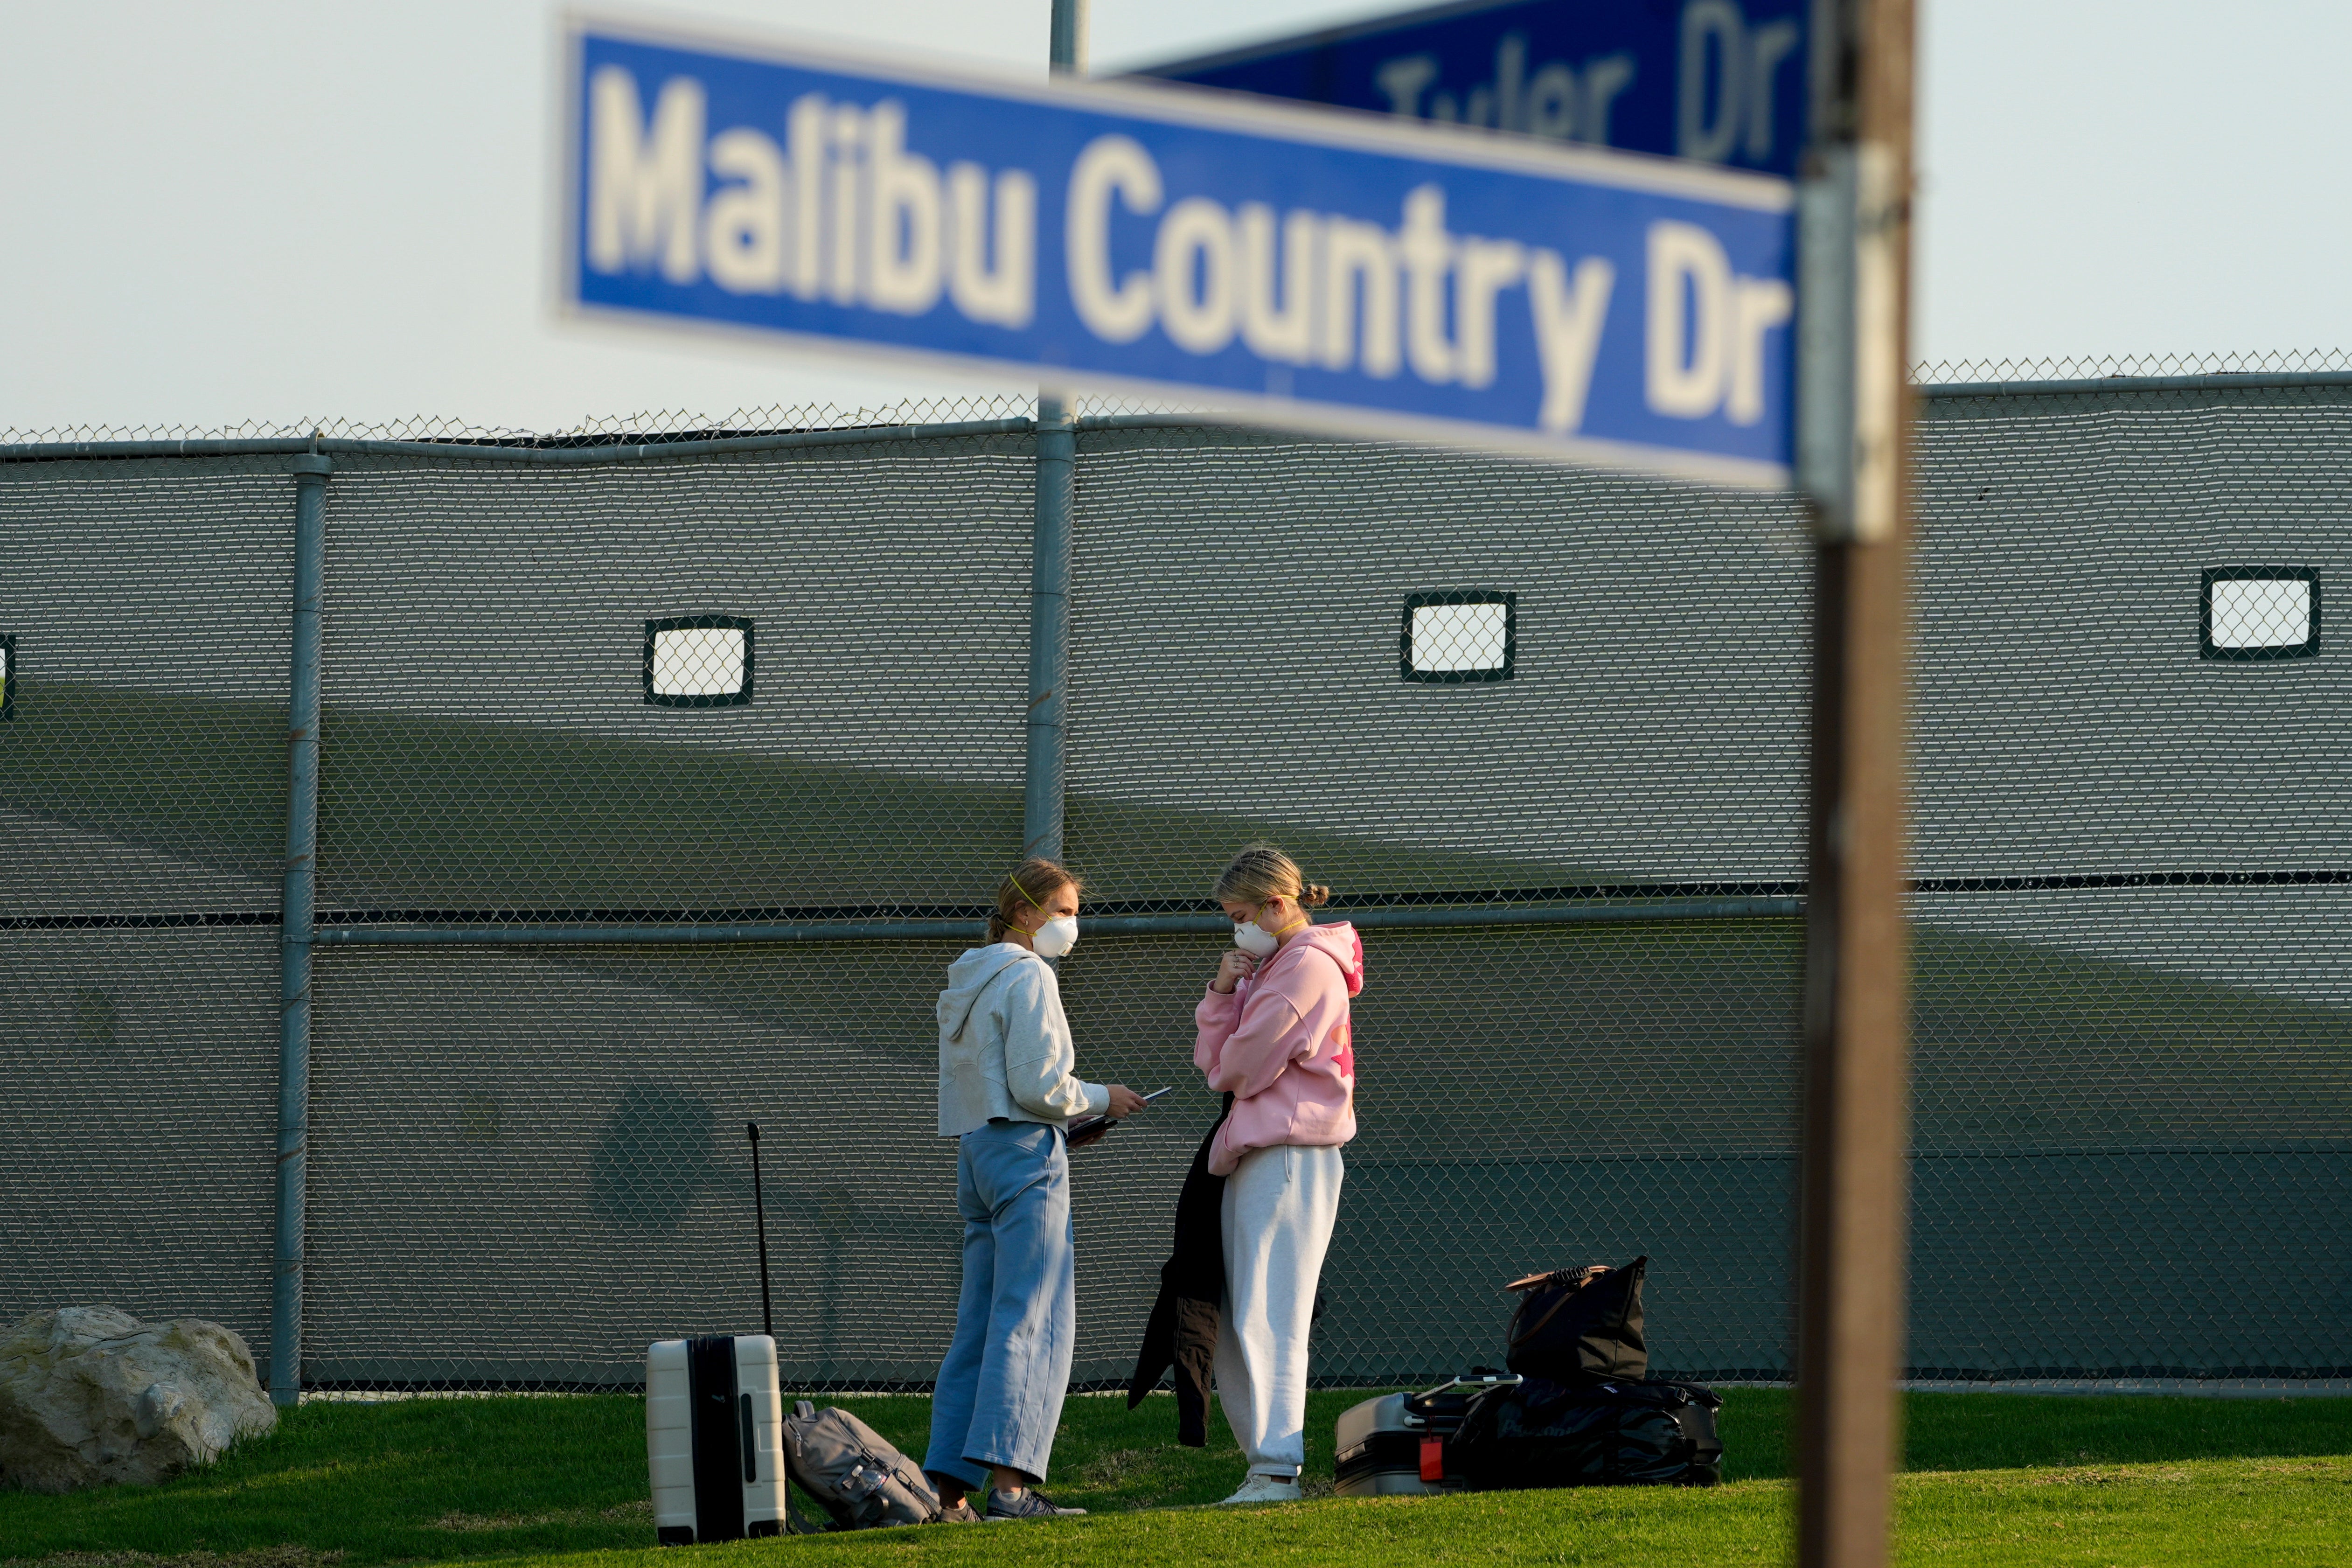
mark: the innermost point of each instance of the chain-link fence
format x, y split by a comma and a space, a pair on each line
664, 766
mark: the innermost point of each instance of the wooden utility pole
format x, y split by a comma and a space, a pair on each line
1854, 462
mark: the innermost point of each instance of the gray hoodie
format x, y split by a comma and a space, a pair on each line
1004, 1047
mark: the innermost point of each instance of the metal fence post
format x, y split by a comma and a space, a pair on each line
296, 929
1049, 567
1066, 39
1049, 628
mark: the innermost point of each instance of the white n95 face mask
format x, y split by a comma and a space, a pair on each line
1254, 937
1055, 937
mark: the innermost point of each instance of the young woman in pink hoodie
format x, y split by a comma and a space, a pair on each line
1273, 1033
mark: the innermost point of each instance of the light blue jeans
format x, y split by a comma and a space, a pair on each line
1000, 1390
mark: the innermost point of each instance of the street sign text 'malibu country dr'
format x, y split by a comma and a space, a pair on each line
1309, 269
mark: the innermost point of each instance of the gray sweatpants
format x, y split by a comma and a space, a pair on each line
1279, 1207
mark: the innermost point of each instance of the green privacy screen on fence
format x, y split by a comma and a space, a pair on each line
1579, 876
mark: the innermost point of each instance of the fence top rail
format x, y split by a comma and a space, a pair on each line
2252, 382
599, 450
510, 452
1408, 918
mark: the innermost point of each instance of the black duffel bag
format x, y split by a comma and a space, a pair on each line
1612, 1433
1578, 1323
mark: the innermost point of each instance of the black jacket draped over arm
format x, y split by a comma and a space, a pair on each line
1183, 1330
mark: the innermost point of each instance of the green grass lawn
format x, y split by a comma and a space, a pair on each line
1994, 1479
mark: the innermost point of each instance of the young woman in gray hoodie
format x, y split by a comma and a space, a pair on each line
1008, 1091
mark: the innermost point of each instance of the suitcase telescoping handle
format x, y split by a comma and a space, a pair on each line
1485, 1380
1480, 1380
759, 1212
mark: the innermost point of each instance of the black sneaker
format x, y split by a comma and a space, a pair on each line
1026, 1503
957, 1512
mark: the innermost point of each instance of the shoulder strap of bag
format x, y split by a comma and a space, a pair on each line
1591, 1276
1557, 1302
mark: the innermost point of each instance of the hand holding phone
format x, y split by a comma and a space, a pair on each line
1091, 1130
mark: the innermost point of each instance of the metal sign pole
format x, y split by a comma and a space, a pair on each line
1852, 458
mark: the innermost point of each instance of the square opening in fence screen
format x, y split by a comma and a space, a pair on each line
2259, 612
1460, 635
699, 661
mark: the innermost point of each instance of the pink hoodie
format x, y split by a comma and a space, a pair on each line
1280, 1043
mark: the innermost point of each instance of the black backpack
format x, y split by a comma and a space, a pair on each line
1575, 1324
1606, 1434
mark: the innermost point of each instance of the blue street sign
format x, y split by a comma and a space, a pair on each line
1719, 80
1310, 269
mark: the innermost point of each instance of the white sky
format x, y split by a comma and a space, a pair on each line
274, 210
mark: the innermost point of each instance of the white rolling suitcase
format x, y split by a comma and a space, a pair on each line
715, 1423
714, 1439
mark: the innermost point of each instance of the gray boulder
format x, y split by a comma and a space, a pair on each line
91, 1396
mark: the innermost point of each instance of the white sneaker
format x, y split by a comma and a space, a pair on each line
1265, 1488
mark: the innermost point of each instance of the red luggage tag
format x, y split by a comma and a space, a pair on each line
1433, 1458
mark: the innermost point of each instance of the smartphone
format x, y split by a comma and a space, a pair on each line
1092, 1128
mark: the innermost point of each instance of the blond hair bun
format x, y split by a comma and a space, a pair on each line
1261, 872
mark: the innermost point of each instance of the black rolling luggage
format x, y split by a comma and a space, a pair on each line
1603, 1433
1577, 1411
